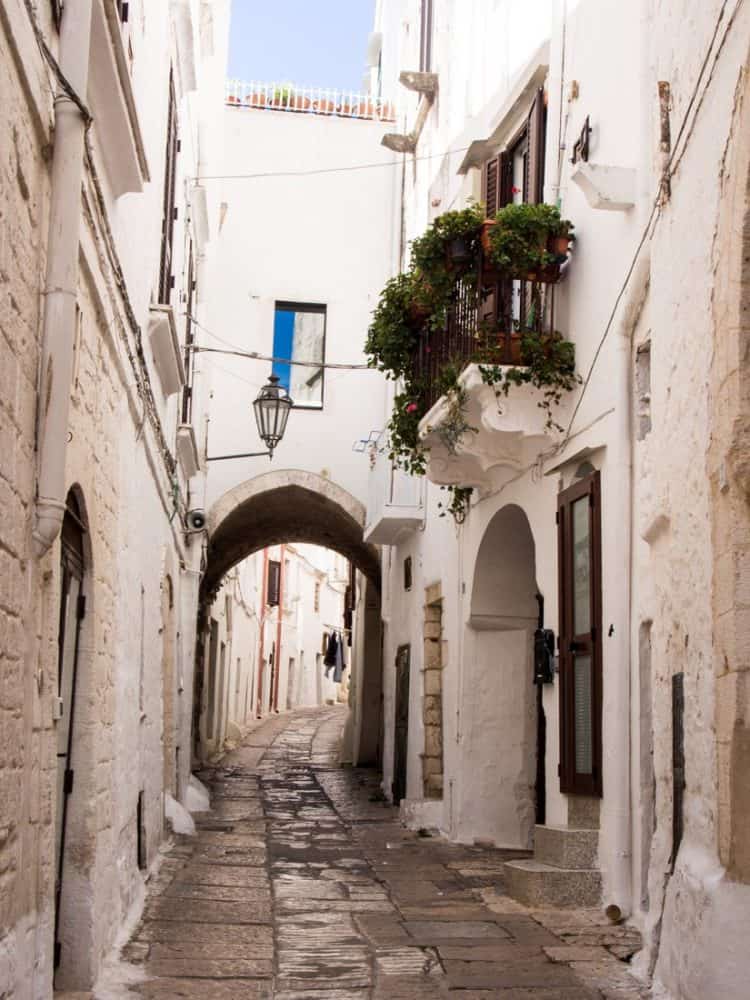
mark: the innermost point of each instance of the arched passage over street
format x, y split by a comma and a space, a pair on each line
285, 506
296, 506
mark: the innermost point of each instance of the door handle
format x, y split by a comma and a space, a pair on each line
575, 647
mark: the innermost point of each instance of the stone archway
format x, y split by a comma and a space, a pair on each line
295, 506
286, 506
500, 727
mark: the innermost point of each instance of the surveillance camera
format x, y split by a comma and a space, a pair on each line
195, 520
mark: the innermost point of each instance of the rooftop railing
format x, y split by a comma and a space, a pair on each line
308, 100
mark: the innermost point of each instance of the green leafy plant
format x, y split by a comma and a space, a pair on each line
547, 364
415, 305
520, 239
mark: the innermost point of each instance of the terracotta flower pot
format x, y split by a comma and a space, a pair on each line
559, 245
387, 113
484, 236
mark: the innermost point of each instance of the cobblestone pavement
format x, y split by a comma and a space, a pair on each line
302, 885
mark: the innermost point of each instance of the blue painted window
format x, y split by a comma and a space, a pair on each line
299, 336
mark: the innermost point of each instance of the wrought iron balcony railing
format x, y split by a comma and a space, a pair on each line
485, 324
308, 100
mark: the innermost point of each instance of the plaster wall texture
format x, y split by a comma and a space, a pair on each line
582, 306
688, 306
324, 239
118, 464
695, 304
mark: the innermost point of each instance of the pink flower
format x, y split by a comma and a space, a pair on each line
411, 408
516, 190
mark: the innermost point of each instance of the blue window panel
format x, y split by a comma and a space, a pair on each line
283, 340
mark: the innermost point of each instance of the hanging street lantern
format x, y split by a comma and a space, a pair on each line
272, 406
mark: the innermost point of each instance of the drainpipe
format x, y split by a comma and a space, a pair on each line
261, 641
58, 331
618, 901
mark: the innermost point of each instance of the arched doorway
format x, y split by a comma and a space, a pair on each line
296, 506
500, 727
71, 947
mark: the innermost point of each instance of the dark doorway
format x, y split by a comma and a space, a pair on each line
72, 609
401, 744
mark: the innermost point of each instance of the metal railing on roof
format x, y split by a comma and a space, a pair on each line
308, 100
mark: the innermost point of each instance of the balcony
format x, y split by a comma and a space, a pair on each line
395, 506
308, 100
505, 431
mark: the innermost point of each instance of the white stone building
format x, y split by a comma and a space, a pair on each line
302, 252
625, 773
106, 116
266, 637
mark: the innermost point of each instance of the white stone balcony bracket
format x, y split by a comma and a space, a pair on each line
165, 347
187, 450
426, 85
608, 188
508, 433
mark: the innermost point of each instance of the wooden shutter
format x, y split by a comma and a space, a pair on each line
536, 130
490, 186
505, 193
273, 585
168, 211
579, 566
189, 354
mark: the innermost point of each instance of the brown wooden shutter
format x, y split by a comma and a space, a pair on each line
170, 171
537, 127
490, 186
505, 173
273, 586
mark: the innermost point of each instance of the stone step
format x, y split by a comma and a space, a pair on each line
536, 884
565, 846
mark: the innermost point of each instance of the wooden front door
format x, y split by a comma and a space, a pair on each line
401, 735
579, 554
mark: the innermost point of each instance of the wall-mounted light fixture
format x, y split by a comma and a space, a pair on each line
271, 408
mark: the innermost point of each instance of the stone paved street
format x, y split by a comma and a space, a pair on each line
303, 884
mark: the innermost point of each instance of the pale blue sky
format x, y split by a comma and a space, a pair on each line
318, 43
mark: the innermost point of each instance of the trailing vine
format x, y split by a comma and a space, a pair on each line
523, 242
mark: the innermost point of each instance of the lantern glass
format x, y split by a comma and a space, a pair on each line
272, 408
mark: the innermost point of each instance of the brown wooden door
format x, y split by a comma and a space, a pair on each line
401, 736
579, 541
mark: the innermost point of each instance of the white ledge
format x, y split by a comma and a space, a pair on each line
165, 347
116, 127
608, 188
187, 450
508, 432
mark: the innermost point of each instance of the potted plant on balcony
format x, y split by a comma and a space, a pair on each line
547, 362
527, 242
401, 312
450, 245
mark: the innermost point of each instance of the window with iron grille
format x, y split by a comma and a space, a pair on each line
425, 38
273, 583
166, 278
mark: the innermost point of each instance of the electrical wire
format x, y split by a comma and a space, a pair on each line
237, 352
657, 206
268, 174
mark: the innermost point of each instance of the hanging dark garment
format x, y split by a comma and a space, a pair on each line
330, 658
338, 672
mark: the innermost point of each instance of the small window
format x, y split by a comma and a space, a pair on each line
299, 337
273, 587
407, 573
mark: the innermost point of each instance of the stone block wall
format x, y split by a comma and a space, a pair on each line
432, 702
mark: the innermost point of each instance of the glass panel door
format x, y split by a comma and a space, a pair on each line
579, 535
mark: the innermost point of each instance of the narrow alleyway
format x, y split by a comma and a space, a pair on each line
302, 884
